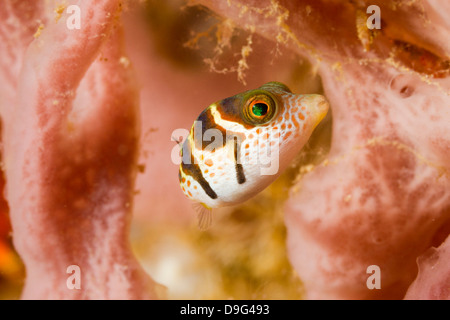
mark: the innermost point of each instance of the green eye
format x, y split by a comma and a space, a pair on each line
260, 109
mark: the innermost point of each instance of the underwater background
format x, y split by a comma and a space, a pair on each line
371, 187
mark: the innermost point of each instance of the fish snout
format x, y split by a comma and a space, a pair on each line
318, 107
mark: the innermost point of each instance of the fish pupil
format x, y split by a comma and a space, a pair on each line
260, 109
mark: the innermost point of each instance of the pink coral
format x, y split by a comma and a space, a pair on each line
71, 162
69, 106
383, 192
433, 280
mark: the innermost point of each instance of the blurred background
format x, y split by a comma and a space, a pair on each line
186, 58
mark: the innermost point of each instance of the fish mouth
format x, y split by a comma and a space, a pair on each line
321, 109
318, 108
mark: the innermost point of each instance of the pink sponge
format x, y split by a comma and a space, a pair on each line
433, 280
383, 191
71, 140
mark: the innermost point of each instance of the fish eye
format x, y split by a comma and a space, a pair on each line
259, 109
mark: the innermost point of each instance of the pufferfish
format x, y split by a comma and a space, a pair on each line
241, 144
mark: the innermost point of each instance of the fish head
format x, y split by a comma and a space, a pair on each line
241, 144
